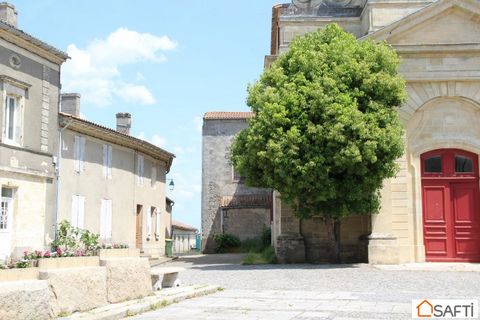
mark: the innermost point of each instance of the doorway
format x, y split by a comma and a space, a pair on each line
138, 235
451, 217
6, 221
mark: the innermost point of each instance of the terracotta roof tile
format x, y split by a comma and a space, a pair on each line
182, 226
246, 201
223, 115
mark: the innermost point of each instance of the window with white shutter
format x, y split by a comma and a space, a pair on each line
157, 224
106, 219
154, 177
149, 222
107, 161
79, 154
78, 211
140, 169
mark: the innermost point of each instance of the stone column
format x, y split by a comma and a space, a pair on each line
290, 245
382, 243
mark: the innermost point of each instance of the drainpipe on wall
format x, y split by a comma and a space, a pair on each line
57, 174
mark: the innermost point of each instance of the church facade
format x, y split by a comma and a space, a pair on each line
431, 209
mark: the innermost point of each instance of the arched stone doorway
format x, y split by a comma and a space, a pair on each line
451, 205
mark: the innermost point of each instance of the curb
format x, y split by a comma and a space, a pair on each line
158, 300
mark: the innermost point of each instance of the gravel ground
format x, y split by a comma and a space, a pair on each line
308, 292
226, 271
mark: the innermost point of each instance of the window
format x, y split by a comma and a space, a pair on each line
154, 177
12, 120
463, 164
106, 220
6, 209
79, 154
433, 164
78, 211
140, 168
107, 161
157, 224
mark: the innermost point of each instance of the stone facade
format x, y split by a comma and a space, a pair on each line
222, 190
29, 87
438, 42
126, 177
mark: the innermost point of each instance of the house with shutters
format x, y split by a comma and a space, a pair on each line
112, 183
29, 90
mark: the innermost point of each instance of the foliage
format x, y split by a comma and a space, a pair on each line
23, 264
267, 237
67, 236
326, 132
2, 267
226, 242
267, 256
72, 241
113, 246
89, 239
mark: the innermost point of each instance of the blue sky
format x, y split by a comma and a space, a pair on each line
165, 62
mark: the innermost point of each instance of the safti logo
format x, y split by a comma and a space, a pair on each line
444, 309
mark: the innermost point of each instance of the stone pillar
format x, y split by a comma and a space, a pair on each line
290, 245
382, 243
70, 104
124, 122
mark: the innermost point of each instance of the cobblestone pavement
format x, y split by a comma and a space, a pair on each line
310, 291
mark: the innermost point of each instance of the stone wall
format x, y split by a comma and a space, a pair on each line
247, 223
217, 175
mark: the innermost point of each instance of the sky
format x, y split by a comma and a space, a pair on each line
165, 62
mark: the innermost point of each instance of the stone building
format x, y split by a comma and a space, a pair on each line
228, 206
112, 183
29, 84
431, 210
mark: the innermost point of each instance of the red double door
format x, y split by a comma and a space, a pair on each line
451, 211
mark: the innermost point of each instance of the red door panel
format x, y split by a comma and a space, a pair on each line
466, 221
451, 209
435, 224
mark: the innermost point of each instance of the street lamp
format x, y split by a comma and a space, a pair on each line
171, 185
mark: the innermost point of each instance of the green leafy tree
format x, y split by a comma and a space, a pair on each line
326, 131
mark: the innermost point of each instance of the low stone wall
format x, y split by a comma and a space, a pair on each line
19, 274
118, 253
76, 289
68, 262
127, 278
25, 300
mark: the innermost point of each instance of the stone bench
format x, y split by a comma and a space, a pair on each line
165, 277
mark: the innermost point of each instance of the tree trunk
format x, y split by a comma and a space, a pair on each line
333, 238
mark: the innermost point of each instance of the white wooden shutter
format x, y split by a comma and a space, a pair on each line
76, 154
81, 212
149, 222
105, 162
109, 162
74, 219
140, 169
154, 176
157, 226
82, 154
106, 219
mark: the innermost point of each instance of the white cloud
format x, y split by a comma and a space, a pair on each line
95, 72
185, 188
156, 139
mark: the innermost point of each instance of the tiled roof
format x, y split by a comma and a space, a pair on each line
96, 130
25, 36
182, 226
223, 115
246, 201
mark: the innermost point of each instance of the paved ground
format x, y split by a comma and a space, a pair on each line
310, 291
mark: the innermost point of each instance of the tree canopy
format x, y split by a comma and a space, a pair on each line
326, 131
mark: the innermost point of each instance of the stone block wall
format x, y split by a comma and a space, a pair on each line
246, 223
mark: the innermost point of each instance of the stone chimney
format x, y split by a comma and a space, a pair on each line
70, 103
124, 122
8, 14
